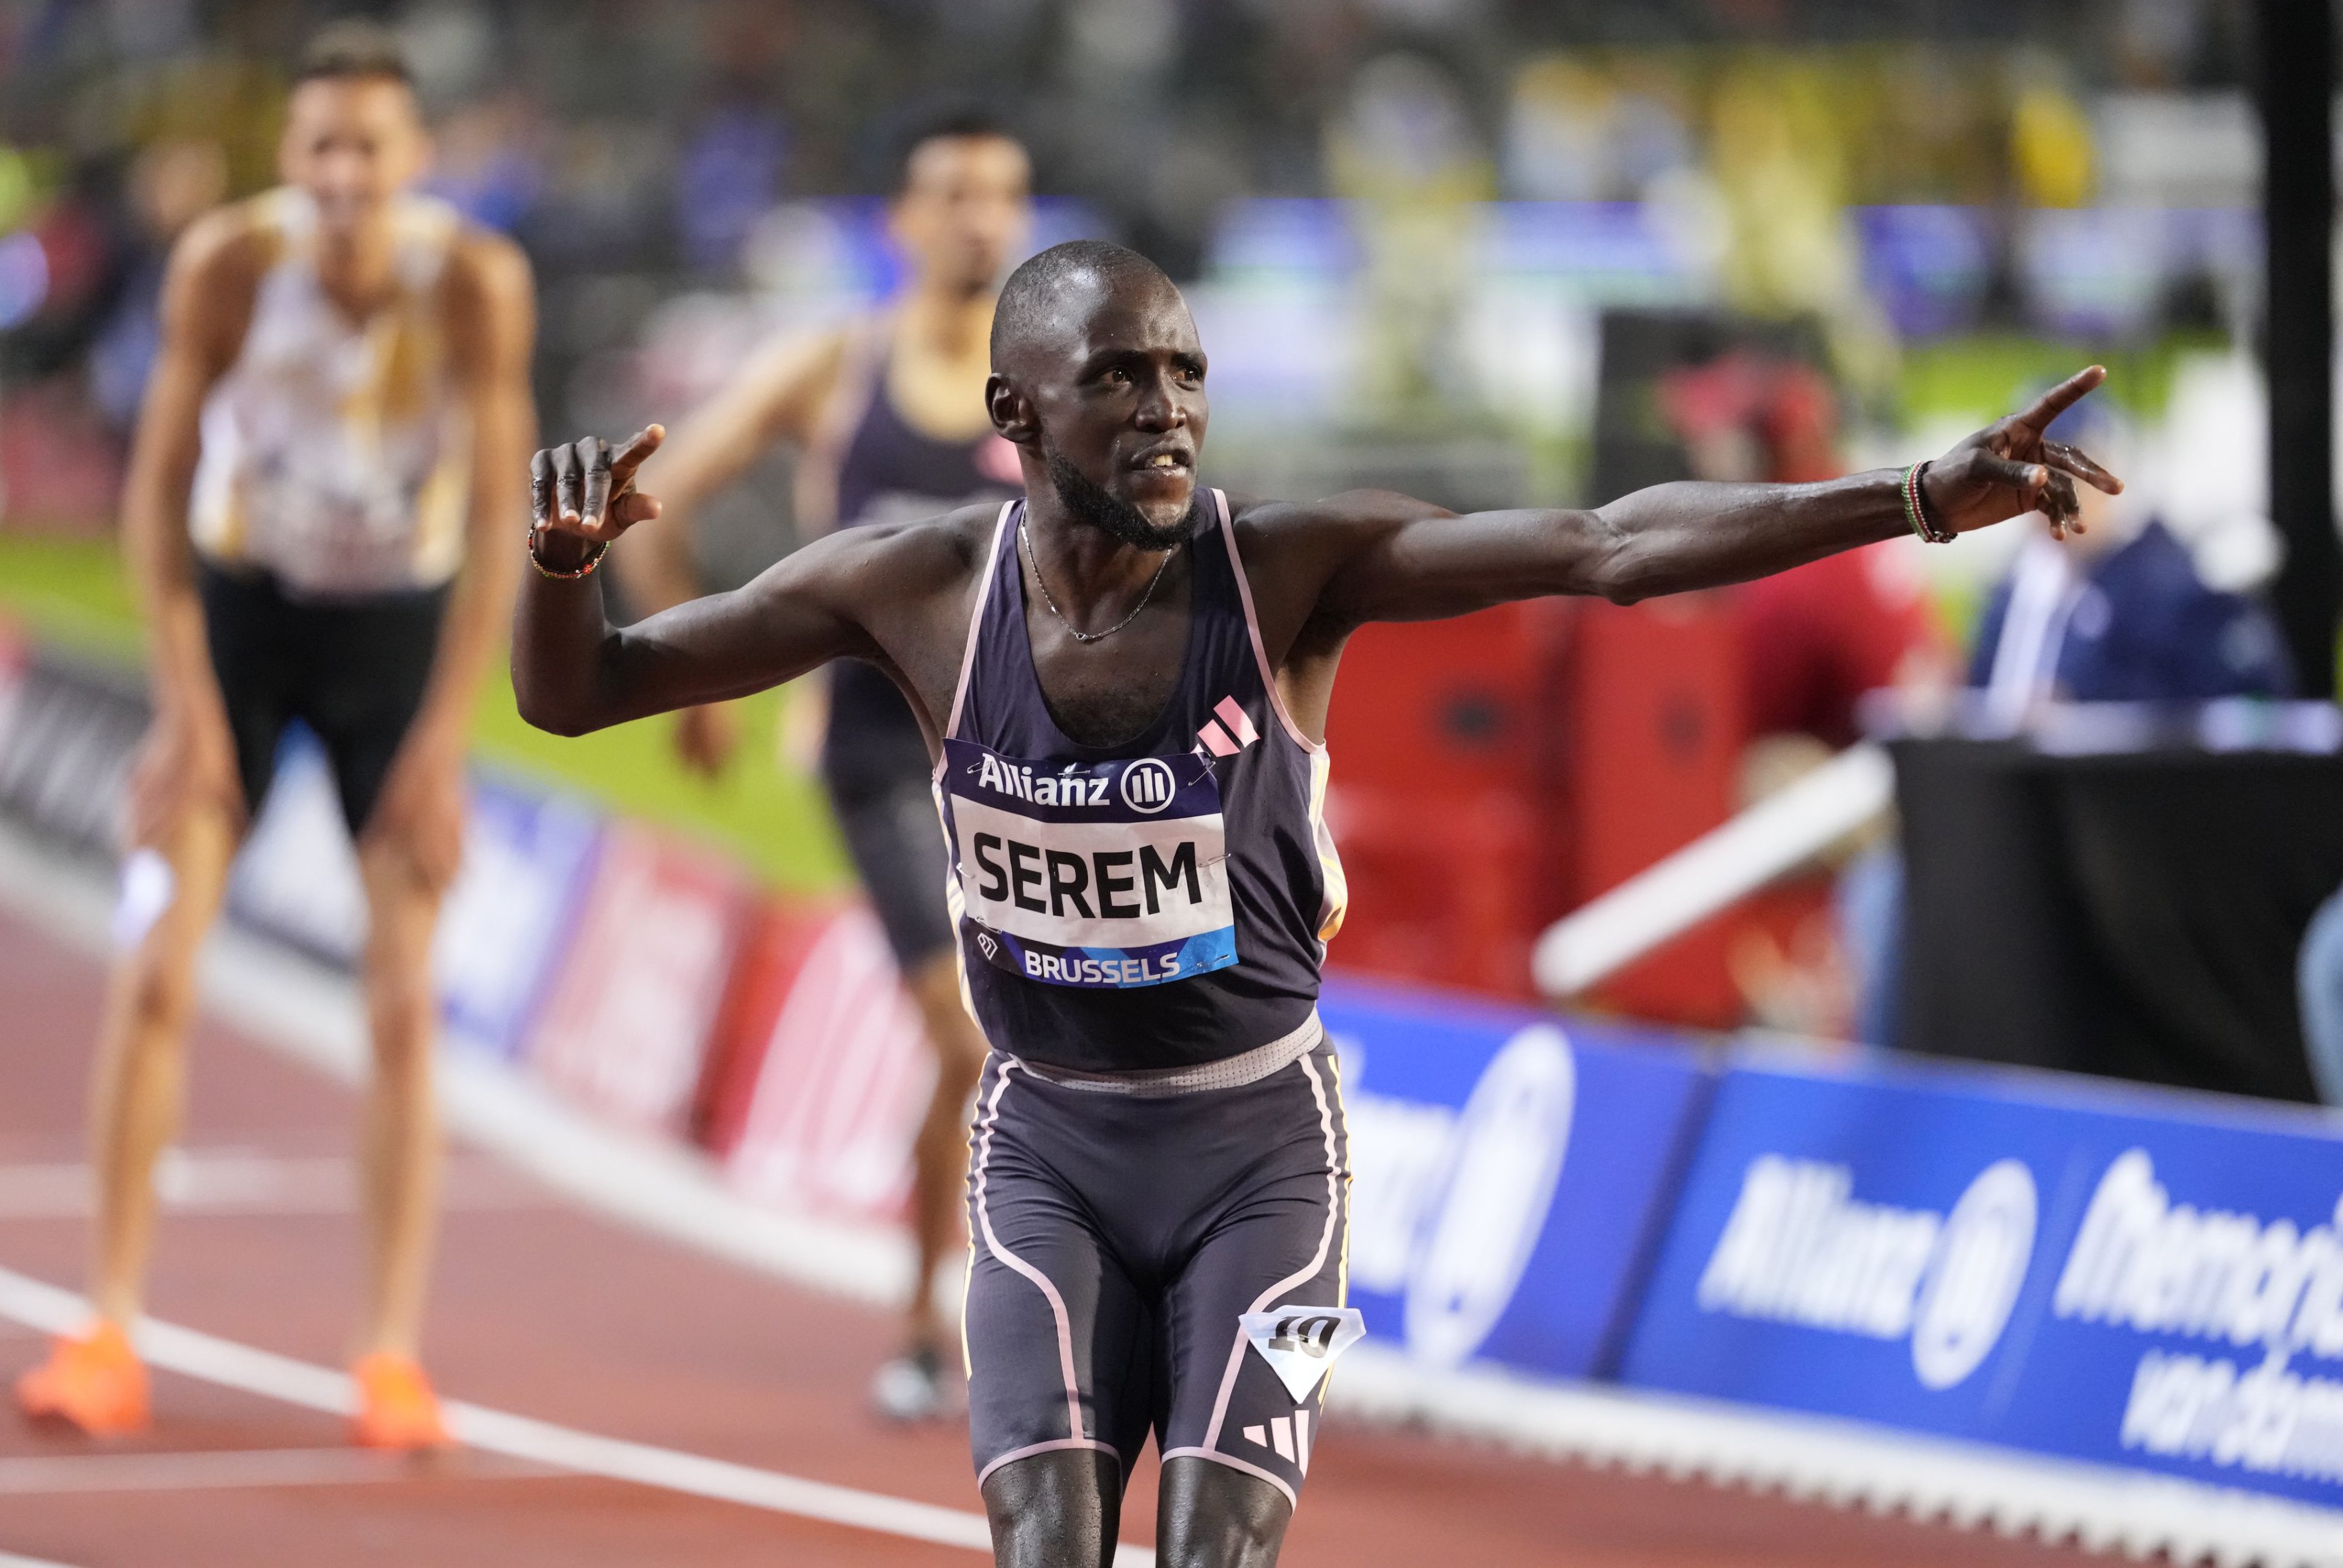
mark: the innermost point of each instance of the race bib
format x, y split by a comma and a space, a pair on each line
1100, 874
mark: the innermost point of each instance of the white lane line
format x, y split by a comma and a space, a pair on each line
232, 1365
251, 1182
302, 1012
10, 1560
235, 1468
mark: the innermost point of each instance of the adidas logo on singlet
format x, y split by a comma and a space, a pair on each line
1231, 733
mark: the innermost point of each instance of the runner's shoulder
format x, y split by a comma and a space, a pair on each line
228, 246
487, 265
923, 556
1272, 532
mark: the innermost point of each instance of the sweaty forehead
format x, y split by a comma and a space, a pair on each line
1090, 310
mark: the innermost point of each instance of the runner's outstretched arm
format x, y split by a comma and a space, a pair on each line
1385, 558
574, 672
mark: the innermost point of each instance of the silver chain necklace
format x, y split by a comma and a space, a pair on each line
1026, 540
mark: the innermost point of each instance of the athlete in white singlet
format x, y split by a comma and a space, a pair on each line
337, 420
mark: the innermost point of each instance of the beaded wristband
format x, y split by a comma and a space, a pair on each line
583, 569
1916, 509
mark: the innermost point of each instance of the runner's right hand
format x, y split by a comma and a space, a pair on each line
705, 737
588, 487
187, 762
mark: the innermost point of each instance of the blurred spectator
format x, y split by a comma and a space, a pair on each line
2319, 973
1406, 149
1813, 954
1817, 640
171, 185
1575, 132
490, 162
2117, 614
728, 174
2051, 153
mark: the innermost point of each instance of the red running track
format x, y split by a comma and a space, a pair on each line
552, 1312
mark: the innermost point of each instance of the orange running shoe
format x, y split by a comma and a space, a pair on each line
397, 1408
94, 1380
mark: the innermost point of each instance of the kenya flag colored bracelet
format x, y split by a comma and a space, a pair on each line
1916, 509
583, 569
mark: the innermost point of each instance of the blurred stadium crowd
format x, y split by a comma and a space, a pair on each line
1897, 170
1485, 251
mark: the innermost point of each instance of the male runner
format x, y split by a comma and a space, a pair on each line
337, 419
890, 413
1123, 682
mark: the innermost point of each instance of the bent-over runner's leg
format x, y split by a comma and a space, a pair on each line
940, 1156
401, 1128
138, 1090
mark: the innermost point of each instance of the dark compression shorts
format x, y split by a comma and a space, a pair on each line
353, 670
897, 844
1158, 1252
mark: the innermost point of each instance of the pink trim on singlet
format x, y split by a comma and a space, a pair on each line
1252, 625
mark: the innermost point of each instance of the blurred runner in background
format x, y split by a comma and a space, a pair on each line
337, 415
890, 413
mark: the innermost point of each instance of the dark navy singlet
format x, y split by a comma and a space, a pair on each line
1161, 904
889, 472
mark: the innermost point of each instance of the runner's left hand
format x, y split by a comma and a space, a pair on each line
2010, 468
420, 814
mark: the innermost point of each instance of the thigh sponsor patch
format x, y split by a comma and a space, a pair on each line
1300, 1343
1101, 875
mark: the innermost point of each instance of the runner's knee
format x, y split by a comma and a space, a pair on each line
402, 1011
1214, 1516
161, 995
1055, 1510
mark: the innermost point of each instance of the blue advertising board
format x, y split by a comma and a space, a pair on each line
1511, 1173
509, 915
2115, 1275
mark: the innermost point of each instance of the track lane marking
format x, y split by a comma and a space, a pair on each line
52, 1475
10, 1560
249, 1182
207, 1357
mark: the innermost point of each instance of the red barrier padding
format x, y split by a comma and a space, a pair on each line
626, 1025
822, 1071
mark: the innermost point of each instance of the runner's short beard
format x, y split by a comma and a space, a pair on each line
1112, 514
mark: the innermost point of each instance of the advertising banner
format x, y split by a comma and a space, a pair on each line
1511, 1174
296, 878
825, 1071
625, 1023
69, 731
527, 860
2128, 1276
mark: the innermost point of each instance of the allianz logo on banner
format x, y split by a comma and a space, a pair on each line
2143, 1262
1800, 1249
1447, 1205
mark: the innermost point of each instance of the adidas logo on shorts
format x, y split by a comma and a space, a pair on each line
1288, 1437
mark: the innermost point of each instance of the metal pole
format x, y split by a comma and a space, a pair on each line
2297, 89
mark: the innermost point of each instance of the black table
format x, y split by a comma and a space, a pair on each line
2136, 916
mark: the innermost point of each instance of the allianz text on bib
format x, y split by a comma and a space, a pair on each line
1096, 874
